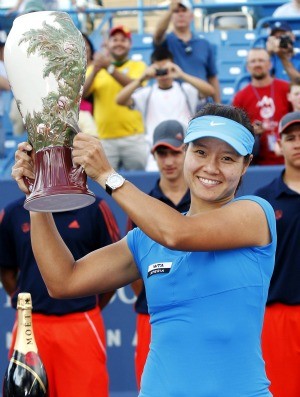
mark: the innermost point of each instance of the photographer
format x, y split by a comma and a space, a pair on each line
280, 46
165, 99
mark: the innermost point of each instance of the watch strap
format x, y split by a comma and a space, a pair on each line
108, 189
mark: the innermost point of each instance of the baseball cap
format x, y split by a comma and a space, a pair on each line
229, 131
169, 133
287, 120
120, 29
186, 4
280, 26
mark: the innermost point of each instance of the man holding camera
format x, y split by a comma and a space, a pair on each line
280, 46
166, 99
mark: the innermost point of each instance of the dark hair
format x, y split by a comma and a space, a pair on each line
161, 53
230, 112
86, 38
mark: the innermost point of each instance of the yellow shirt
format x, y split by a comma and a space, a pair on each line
115, 121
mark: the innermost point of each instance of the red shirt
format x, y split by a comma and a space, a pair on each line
267, 104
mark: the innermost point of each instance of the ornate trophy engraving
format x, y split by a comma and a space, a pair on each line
45, 61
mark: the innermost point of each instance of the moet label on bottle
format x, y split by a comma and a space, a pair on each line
25, 341
25, 375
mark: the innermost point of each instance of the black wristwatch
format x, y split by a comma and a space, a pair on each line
113, 182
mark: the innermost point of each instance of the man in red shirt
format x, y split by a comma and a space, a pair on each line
265, 101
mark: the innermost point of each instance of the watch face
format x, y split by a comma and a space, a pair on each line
115, 181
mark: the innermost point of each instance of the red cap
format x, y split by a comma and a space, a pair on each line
120, 29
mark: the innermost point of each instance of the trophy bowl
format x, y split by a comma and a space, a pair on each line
45, 61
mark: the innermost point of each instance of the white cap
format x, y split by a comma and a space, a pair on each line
186, 3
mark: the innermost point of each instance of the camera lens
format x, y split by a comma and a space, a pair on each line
285, 42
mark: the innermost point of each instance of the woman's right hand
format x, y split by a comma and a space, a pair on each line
24, 166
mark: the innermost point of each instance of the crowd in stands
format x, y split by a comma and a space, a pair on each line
124, 99
140, 113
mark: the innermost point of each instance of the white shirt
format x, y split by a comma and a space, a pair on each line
156, 105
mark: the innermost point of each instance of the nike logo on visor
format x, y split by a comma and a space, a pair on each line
213, 124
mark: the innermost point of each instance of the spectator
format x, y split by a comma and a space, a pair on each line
290, 9
281, 330
206, 274
170, 188
61, 326
120, 129
194, 55
280, 46
265, 101
166, 98
294, 96
4, 86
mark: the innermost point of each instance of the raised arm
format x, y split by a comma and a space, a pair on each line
290, 69
102, 61
204, 88
101, 271
124, 96
245, 221
163, 23
239, 224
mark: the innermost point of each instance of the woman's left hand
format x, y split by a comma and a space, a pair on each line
89, 153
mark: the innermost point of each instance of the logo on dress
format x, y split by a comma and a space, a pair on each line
159, 267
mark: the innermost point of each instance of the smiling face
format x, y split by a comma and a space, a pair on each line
212, 171
119, 46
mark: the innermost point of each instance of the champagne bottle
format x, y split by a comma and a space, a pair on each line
25, 374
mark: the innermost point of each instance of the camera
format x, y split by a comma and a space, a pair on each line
285, 41
161, 72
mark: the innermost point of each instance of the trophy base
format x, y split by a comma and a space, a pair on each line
59, 202
58, 186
